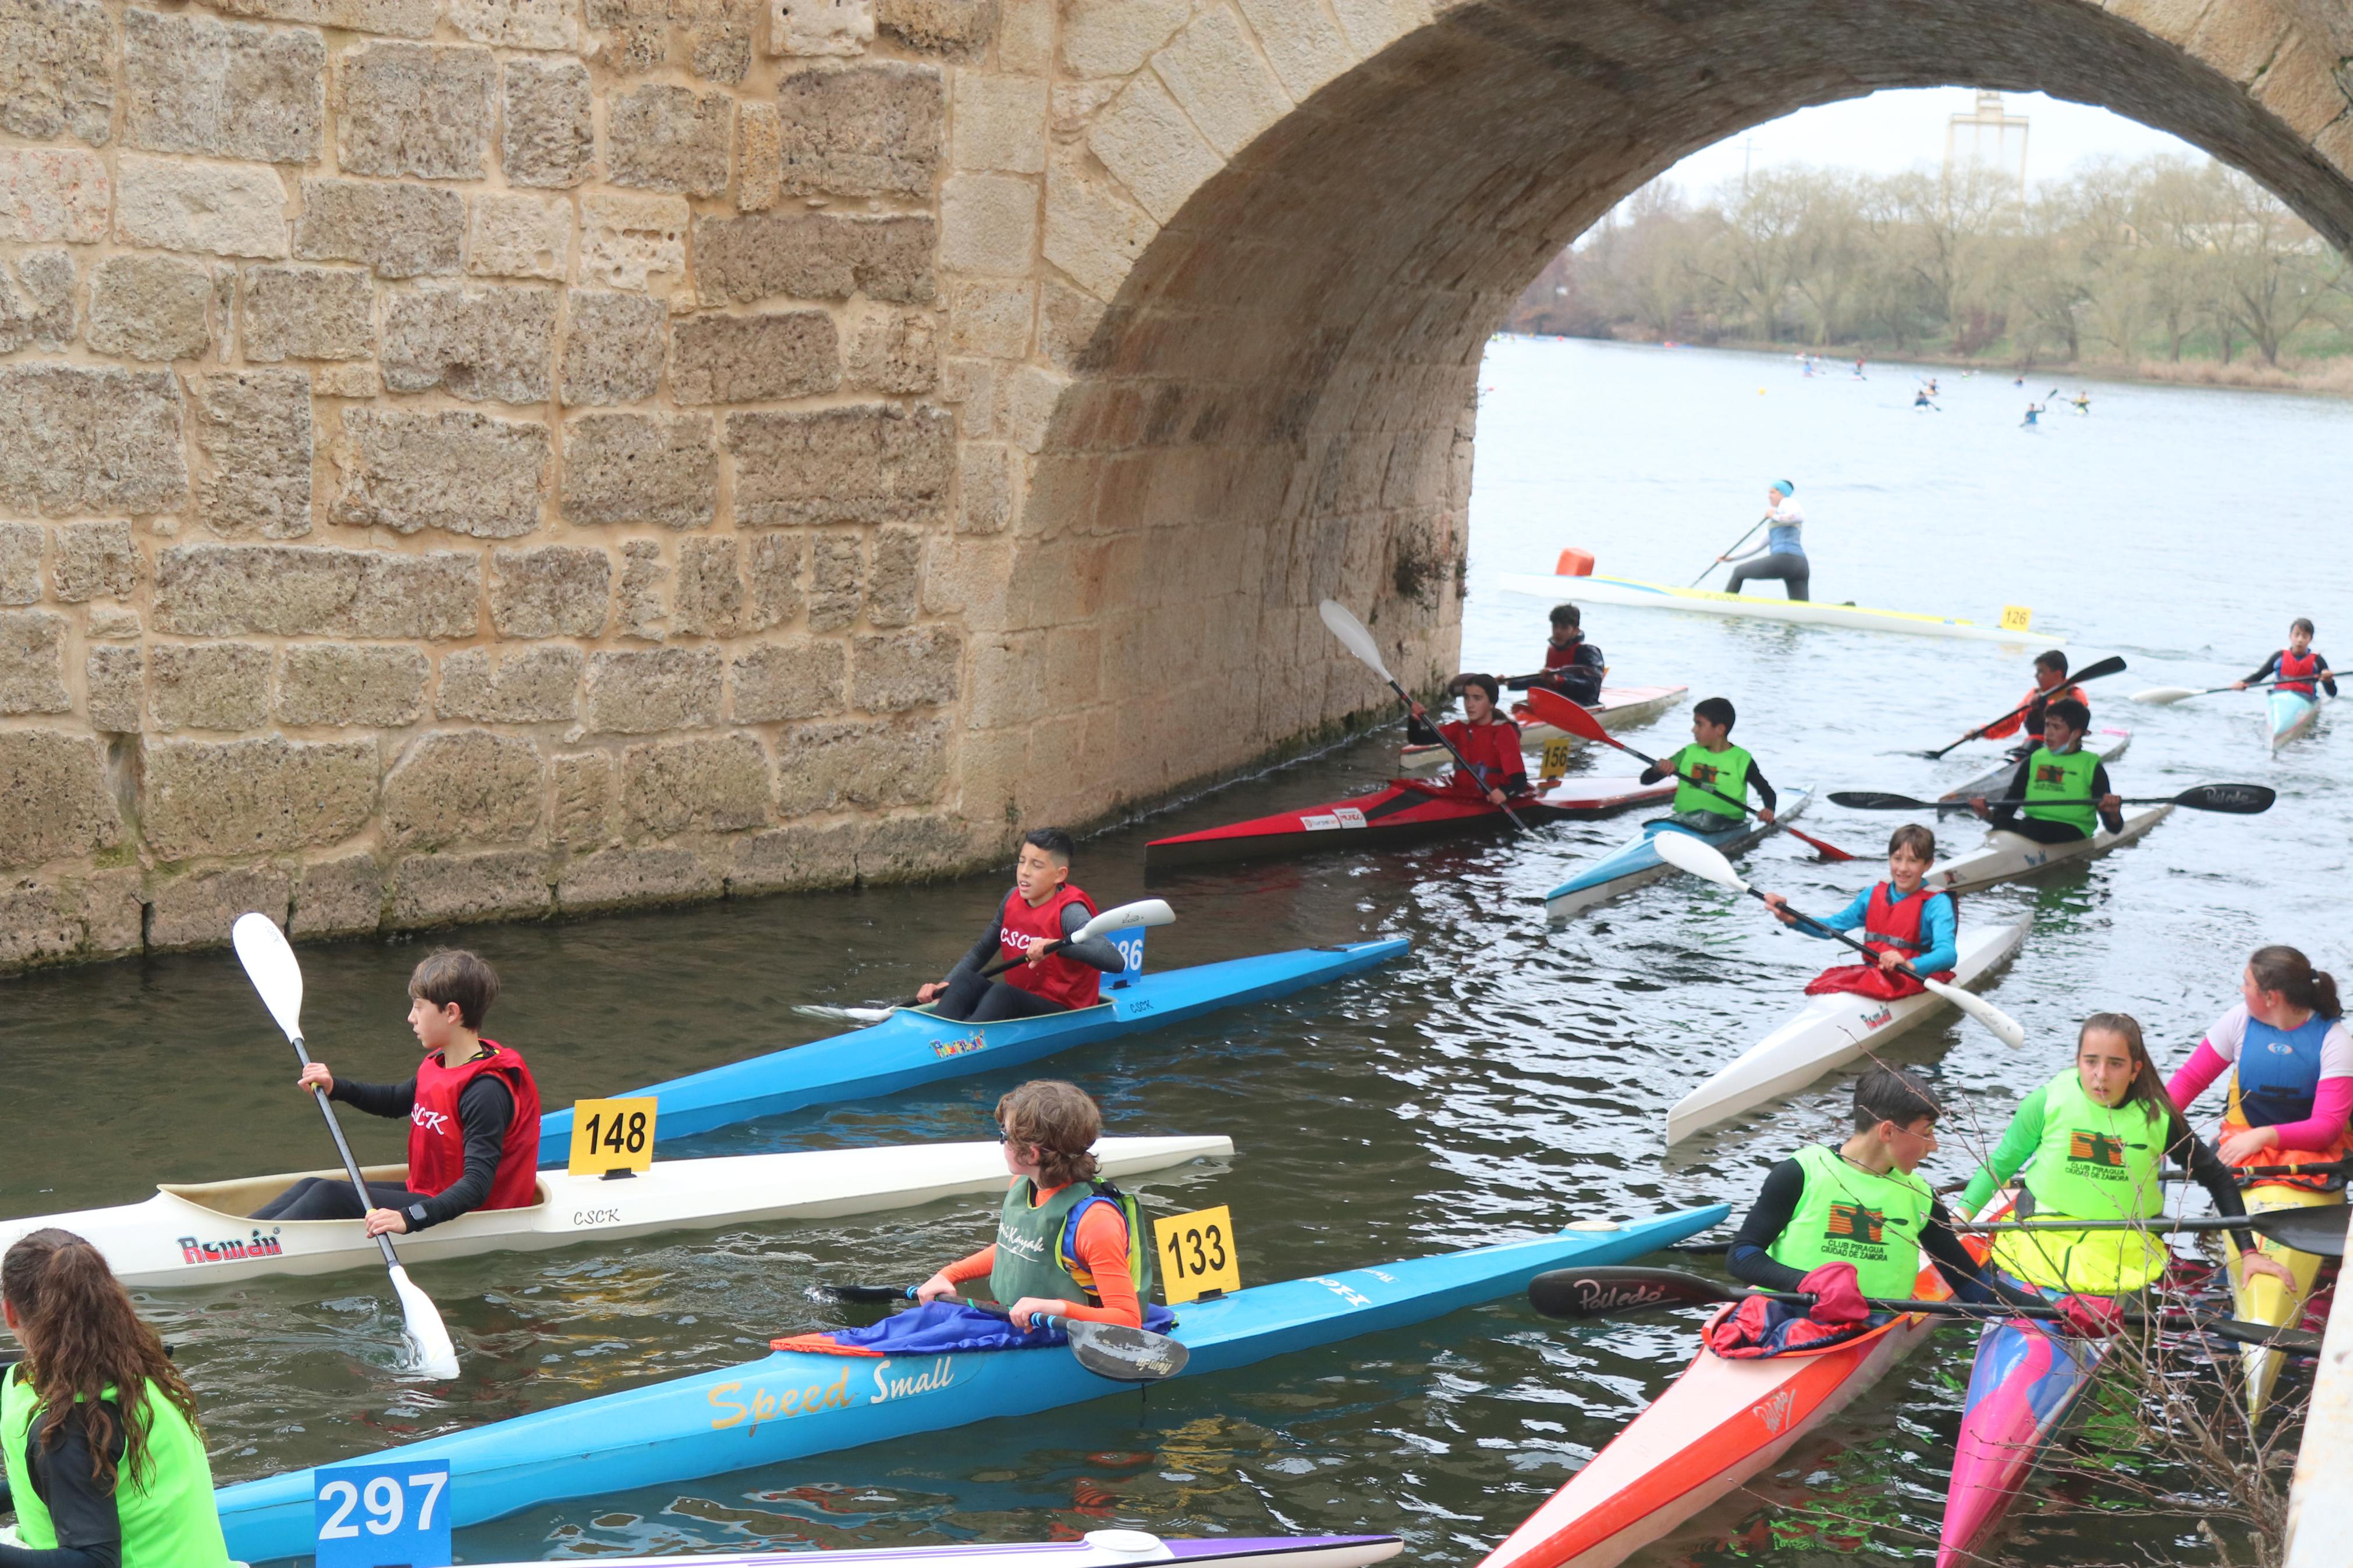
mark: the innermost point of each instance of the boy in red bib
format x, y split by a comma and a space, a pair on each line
1901, 921
1034, 927
1489, 743
473, 1110
2299, 669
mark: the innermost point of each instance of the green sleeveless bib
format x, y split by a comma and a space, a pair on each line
2049, 776
2095, 1162
1029, 1258
169, 1518
1849, 1215
1724, 772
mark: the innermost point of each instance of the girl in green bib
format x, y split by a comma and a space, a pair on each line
97, 1427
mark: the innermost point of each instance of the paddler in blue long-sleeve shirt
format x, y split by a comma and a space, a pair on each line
1901, 921
1784, 549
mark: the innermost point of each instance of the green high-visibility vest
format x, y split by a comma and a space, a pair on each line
1850, 1216
169, 1518
2053, 776
1724, 772
2095, 1161
1030, 1257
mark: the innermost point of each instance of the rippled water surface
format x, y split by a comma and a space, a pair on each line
1504, 1079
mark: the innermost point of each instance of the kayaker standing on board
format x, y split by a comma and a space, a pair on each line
1572, 666
2290, 1058
1845, 1223
2298, 667
473, 1110
2097, 1136
98, 1428
2050, 686
1489, 743
1036, 924
1784, 549
1727, 772
1900, 922
2065, 788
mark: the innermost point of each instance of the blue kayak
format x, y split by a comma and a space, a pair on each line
1628, 868
912, 1047
792, 1405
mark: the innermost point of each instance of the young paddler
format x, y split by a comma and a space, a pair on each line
2092, 1143
2065, 788
2050, 685
1572, 666
1726, 774
1490, 743
1036, 927
473, 1110
1901, 921
2290, 1059
2299, 669
98, 1428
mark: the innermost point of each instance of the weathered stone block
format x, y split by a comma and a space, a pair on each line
33, 662
56, 69
713, 35
483, 344
208, 685
894, 593
643, 575
93, 561
416, 109
803, 678
1000, 124
1216, 74
945, 27
518, 235
117, 682
21, 544
149, 307
658, 137
468, 473
759, 157
1092, 232
549, 138
820, 26
53, 194
223, 90
636, 693
988, 225
283, 590
353, 379
308, 313
775, 571
98, 916
861, 131
709, 589
400, 231
1067, 321
527, 685
894, 352
82, 439
343, 896
866, 463
197, 910
223, 209
899, 670
462, 787
38, 305
789, 859
1114, 38
580, 798
516, 24
450, 889
612, 347
753, 359
633, 242
257, 796
340, 683
914, 849
54, 803
814, 256
824, 767
989, 316
563, 590
254, 430
400, 19
631, 877
836, 581
987, 489
640, 468
711, 784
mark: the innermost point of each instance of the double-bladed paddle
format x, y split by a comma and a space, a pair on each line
270, 963
2112, 665
1736, 544
2237, 799
2165, 696
1108, 1349
1685, 852
1124, 917
2322, 1168
1358, 640
1563, 715
2319, 1231
1615, 1292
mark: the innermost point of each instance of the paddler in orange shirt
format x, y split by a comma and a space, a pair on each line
2050, 686
1489, 743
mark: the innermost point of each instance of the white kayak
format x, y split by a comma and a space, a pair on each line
199, 1232
1620, 708
1829, 1032
2108, 741
1096, 1548
2005, 855
1630, 594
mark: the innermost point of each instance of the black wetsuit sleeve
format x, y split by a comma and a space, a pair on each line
1663, 768
986, 948
485, 1110
1421, 732
1768, 1217
2114, 821
89, 1528
2271, 666
1095, 951
2003, 815
376, 1099
1963, 1274
2206, 1168
2327, 681
1757, 782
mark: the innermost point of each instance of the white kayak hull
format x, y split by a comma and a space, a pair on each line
1630, 594
196, 1234
1829, 1032
2290, 714
1096, 1548
1637, 864
1620, 708
2007, 855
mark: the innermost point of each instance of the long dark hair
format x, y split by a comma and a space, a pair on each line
82, 1337
2147, 1086
2285, 970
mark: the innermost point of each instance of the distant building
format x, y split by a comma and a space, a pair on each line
1989, 141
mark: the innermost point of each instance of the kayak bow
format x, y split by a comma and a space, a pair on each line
1632, 865
2005, 856
2290, 714
1403, 812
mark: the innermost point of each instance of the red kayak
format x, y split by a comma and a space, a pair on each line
1404, 812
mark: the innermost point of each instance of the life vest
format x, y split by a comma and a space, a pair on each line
2051, 776
2297, 672
437, 1137
1847, 1214
1059, 978
169, 1517
2098, 1163
1888, 926
1725, 773
1036, 1245
1574, 671
1492, 750
2277, 1075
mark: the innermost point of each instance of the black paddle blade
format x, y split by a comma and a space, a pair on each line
2319, 1231
2112, 665
1123, 1354
1613, 1292
1873, 800
862, 1293
2238, 799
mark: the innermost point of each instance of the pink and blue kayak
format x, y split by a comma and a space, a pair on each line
2022, 1386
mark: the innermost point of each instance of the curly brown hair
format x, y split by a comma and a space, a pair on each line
1060, 1122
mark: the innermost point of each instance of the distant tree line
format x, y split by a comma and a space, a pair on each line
2121, 263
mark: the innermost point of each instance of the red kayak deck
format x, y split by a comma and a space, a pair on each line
1401, 813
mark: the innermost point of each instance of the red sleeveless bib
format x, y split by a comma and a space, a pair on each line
1058, 978
436, 1139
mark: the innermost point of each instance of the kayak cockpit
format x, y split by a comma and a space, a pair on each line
238, 1197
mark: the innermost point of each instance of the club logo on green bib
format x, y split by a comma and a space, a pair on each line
1853, 1221
2094, 1149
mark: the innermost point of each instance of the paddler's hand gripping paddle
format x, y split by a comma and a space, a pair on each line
1108, 1349
2112, 665
1123, 917
1359, 641
2237, 799
270, 963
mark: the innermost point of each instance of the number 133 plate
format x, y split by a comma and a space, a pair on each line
1197, 1254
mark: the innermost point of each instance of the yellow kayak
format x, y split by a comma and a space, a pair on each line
2265, 1299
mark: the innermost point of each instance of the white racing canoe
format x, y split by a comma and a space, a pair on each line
1096, 1548
1829, 1032
2005, 856
199, 1233
1620, 708
1627, 593
2108, 741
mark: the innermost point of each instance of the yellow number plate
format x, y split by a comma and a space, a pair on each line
2017, 618
1556, 756
611, 1135
1197, 1254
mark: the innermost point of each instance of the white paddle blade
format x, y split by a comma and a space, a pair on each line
2004, 1028
1353, 634
1127, 917
436, 1358
841, 1015
1686, 853
2163, 695
269, 964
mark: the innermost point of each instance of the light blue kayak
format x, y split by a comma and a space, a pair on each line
912, 1047
792, 1405
2290, 713
1630, 866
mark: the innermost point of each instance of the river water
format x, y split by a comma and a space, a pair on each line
1504, 1079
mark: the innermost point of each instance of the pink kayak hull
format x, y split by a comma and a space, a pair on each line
2022, 1386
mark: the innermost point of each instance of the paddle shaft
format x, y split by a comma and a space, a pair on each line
2113, 665
2313, 680
1451, 749
1832, 850
2225, 1327
1905, 968
2235, 799
1734, 545
351, 1165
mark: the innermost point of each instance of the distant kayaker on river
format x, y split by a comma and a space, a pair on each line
2296, 665
1900, 923
2065, 788
473, 1110
1784, 549
2290, 1058
1034, 926
1726, 770
1572, 666
1489, 743
2050, 686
